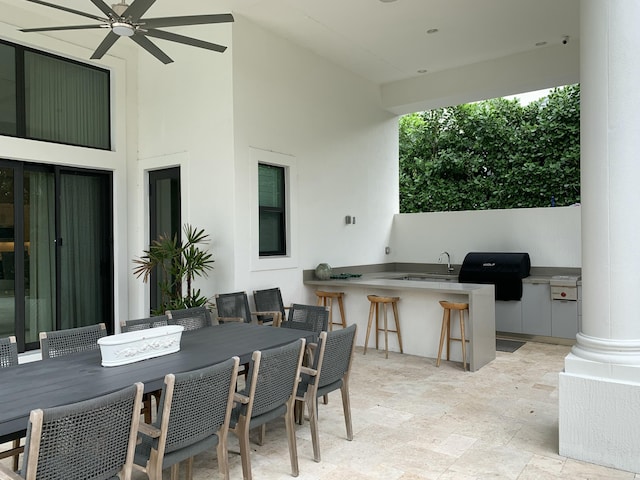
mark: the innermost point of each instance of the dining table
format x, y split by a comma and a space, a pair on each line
81, 376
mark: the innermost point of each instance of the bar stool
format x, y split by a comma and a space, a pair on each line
326, 299
376, 301
446, 330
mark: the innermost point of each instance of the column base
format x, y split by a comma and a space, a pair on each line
599, 419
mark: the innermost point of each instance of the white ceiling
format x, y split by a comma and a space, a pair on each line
382, 41
388, 41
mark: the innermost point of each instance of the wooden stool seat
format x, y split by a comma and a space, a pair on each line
326, 299
376, 301
446, 330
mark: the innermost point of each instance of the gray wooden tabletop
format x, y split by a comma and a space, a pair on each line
64, 380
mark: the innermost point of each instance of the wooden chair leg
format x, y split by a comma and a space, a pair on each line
346, 408
312, 408
175, 471
223, 458
386, 331
342, 316
462, 339
443, 331
448, 334
189, 471
397, 319
242, 429
291, 437
377, 326
262, 431
366, 340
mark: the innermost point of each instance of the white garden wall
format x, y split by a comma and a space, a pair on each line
551, 236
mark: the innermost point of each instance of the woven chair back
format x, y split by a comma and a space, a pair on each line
8, 352
276, 377
89, 439
144, 323
233, 305
59, 343
199, 404
337, 355
268, 300
193, 318
308, 317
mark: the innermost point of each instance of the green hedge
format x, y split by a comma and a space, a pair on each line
492, 154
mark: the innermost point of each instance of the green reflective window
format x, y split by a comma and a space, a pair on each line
8, 118
271, 195
46, 97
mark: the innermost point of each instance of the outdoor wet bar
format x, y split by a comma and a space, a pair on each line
420, 313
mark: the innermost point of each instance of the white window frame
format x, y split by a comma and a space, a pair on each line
290, 259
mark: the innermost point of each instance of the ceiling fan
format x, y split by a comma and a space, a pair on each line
125, 20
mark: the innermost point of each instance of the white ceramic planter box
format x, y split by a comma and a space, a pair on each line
130, 347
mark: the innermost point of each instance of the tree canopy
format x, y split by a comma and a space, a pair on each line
493, 154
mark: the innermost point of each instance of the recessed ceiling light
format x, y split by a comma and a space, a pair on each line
432, 30
387, 1
540, 44
423, 70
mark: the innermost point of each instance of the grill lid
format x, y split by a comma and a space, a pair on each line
504, 270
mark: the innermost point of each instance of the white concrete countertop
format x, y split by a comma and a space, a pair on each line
420, 312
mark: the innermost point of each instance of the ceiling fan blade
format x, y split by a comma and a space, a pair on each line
106, 9
70, 27
188, 20
137, 9
70, 10
150, 47
105, 45
174, 37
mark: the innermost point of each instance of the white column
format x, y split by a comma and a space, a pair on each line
600, 387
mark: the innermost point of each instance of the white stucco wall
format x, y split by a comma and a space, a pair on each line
551, 236
293, 106
185, 118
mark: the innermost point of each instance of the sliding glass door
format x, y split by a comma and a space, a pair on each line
7, 252
39, 254
84, 245
55, 250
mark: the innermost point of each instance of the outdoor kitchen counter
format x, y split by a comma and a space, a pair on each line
420, 313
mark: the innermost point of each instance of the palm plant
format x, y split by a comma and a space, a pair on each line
177, 263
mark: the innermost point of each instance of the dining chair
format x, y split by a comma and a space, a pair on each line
94, 439
59, 343
269, 394
314, 318
9, 358
193, 417
144, 323
234, 307
193, 318
267, 300
330, 371
307, 317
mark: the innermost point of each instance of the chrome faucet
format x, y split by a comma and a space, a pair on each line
449, 267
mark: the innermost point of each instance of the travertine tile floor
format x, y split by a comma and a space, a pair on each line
413, 421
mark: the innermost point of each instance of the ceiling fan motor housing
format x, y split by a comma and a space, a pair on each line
119, 8
122, 29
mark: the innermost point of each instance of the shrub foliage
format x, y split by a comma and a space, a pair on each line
492, 154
